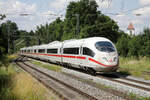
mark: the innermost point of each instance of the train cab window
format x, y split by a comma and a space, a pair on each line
52, 50
41, 51
105, 46
87, 51
71, 51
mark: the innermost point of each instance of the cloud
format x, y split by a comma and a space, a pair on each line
124, 20
143, 11
144, 2
137, 21
15, 6
59, 5
104, 4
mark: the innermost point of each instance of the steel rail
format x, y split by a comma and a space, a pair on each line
53, 78
125, 83
48, 86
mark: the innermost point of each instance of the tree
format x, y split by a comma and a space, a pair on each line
7, 31
92, 22
122, 45
134, 46
2, 16
144, 41
2, 49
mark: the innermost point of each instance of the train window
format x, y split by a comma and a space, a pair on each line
105, 46
31, 50
41, 50
28, 51
35, 51
87, 51
71, 51
52, 50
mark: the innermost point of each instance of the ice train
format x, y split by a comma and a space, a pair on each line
95, 54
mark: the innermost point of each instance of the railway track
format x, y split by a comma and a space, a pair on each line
67, 92
146, 72
130, 82
136, 84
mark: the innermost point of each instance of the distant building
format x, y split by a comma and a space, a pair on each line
131, 29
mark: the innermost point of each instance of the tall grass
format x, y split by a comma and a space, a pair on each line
5, 83
18, 85
135, 67
27, 88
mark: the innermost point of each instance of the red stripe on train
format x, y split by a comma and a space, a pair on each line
100, 63
77, 57
66, 56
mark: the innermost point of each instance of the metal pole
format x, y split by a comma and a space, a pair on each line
77, 24
13, 43
47, 36
8, 37
39, 42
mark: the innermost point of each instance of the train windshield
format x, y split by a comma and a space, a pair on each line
104, 46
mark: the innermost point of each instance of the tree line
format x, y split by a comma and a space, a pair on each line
82, 20
136, 46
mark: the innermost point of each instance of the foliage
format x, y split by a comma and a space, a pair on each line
136, 45
47, 66
11, 83
122, 45
2, 16
7, 30
135, 67
5, 84
92, 23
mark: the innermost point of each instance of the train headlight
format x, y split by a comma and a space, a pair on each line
115, 59
105, 59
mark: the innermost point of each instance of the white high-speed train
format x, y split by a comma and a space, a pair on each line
95, 54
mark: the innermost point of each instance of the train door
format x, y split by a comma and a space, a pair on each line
81, 55
61, 52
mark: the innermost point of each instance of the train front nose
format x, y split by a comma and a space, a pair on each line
107, 55
110, 59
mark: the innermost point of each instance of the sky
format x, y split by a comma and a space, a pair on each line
45, 11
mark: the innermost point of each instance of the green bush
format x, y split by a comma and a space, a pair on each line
135, 46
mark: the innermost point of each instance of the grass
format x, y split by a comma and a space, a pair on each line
48, 66
18, 85
5, 82
135, 97
135, 67
27, 88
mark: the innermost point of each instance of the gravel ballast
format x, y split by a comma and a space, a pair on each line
115, 85
91, 90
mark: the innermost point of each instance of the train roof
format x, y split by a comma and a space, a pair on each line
69, 42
